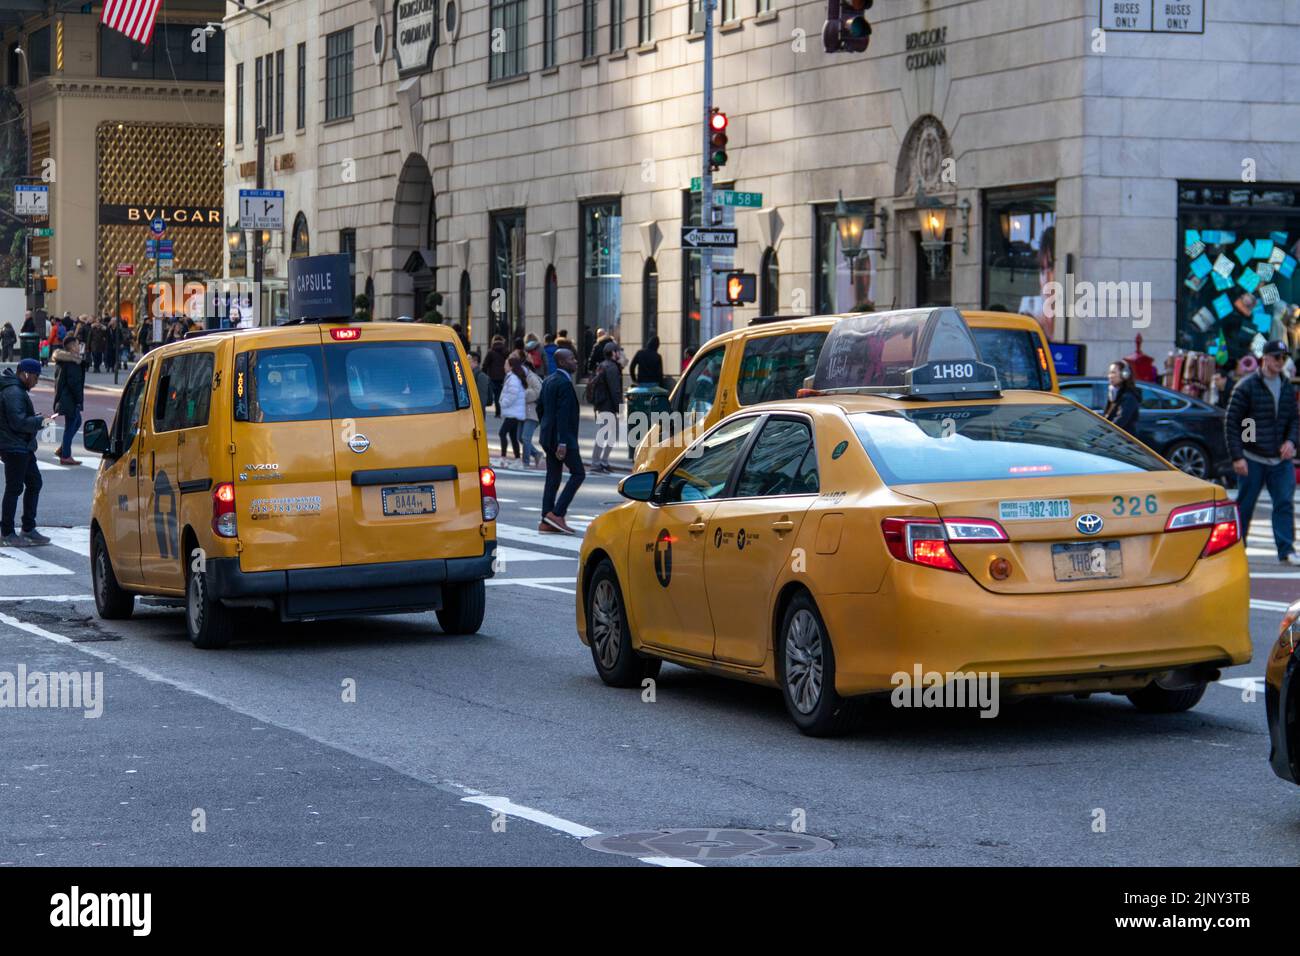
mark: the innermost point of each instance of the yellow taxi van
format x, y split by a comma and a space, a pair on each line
316, 470
769, 360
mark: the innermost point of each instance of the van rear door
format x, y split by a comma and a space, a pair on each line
283, 454
405, 447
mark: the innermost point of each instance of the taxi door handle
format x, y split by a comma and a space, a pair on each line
696, 528
153, 464
130, 469
783, 526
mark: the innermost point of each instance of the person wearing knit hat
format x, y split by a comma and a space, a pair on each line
19, 425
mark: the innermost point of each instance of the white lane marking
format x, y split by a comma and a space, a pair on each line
1244, 683
510, 808
528, 582
1259, 604
544, 587
507, 554
1274, 575
57, 598
508, 501
561, 542
18, 561
502, 803
38, 631
529, 508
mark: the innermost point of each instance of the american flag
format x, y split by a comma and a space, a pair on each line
132, 17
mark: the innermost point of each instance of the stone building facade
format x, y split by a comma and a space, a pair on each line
531, 160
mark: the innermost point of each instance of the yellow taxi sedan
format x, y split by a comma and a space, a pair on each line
907, 518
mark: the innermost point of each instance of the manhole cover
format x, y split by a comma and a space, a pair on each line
707, 844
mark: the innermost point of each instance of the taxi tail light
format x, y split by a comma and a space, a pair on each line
1219, 516
345, 334
920, 541
223, 510
487, 482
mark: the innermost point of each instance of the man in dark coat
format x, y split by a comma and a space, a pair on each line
98, 344
19, 425
647, 366
494, 365
1262, 428
557, 410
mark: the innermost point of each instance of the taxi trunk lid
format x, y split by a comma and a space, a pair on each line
1053, 553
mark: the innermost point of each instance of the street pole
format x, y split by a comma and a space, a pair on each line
27, 220
257, 233
706, 182
117, 329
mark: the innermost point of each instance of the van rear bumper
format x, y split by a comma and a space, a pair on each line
392, 586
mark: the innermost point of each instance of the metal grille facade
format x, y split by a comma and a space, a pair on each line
156, 165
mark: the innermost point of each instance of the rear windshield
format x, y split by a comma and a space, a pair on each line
1017, 354
773, 367
976, 443
357, 380
374, 379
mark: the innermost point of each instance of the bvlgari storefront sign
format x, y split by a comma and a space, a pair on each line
415, 31
119, 214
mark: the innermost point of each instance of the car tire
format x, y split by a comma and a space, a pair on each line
617, 662
463, 606
112, 601
209, 623
805, 664
1154, 699
1191, 458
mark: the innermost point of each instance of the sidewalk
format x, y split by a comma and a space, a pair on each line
93, 379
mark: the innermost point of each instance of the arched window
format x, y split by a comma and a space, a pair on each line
769, 284
649, 301
551, 304
300, 241
465, 315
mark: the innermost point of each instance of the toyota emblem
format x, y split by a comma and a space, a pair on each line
1089, 523
359, 443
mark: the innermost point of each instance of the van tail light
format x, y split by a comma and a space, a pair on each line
487, 482
223, 510
1219, 516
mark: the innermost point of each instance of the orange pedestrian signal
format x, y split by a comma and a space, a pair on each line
742, 287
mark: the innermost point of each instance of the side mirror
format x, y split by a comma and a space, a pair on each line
95, 436
639, 487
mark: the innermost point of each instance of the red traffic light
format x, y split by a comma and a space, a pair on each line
717, 120
717, 138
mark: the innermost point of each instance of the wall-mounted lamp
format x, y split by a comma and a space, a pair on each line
933, 213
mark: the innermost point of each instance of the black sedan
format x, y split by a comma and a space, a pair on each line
1185, 430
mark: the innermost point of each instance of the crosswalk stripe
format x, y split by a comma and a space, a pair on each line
508, 555
20, 561
560, 542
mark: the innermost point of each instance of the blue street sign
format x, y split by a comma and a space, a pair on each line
157, 226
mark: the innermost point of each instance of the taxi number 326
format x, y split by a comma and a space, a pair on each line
1133, 505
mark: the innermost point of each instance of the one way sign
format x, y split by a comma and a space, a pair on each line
261, 209
719, 238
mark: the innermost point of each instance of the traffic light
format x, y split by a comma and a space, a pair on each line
717, 139
742, 287
846, 26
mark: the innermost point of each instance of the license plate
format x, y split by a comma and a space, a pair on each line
1086, 560
1034, 509
419, 500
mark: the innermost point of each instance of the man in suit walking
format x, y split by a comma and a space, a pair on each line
557, 409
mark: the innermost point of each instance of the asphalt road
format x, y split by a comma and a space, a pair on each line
506, 748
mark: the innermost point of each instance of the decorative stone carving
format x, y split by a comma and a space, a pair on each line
921, 158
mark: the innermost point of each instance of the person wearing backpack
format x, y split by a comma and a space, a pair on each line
605, 392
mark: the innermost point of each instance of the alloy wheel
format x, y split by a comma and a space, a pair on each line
803, 661
1190, 459
606, 623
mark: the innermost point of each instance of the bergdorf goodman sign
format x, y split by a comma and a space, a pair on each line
415, 31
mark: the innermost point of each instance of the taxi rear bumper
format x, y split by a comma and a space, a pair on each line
1107, 640
391, 587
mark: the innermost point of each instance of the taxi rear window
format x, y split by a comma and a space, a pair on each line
1018, 357
982, 442
281, 385
375, 379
